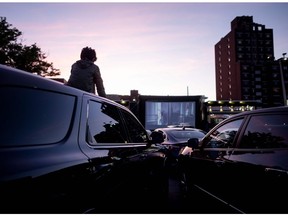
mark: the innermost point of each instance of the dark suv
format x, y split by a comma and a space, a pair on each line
242, 162
63, 150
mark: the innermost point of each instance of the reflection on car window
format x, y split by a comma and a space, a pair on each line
269, 131
33, 116
223, 136
104, 124
186, 134
137, 133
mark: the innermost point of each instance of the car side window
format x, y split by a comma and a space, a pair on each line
34, 116
267, 131
104, 124
223, 136
136, 131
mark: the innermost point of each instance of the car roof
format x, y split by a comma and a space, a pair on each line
20, 78
260, 111
179, 129
10, 76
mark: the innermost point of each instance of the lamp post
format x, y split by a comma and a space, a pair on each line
282, 79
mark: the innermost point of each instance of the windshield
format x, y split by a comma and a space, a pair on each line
185, 135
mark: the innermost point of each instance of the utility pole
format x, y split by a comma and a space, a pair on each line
282, 79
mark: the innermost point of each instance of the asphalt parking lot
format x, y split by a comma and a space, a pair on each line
199, 203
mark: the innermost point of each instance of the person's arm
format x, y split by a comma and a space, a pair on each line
99, 84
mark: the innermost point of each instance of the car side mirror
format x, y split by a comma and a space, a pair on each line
156, 137
193, 143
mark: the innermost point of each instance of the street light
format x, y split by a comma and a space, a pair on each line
282, 79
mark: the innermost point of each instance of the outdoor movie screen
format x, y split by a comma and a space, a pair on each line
163, 114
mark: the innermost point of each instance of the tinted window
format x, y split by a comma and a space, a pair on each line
223, 136
104, 124
136, 131
186, 134
269, 131
32, 116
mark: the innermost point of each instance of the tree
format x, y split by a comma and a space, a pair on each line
28, 58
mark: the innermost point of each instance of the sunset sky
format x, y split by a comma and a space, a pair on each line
163, 48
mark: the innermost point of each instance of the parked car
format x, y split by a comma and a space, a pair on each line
242, 162
176, 137
63, 150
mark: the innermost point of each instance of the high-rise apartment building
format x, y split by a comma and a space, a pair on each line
244, 69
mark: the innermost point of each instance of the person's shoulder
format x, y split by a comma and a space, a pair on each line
95, 67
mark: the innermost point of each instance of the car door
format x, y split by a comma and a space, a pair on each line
208, 167
260, 165
149, 163
116, 144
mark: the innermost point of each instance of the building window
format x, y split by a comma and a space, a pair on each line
246, 90
245, 82
260, 35
245, 67
258, 93
275, 75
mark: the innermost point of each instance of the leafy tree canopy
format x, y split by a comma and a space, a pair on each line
28, 58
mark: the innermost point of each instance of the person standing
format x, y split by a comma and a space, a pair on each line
85, 74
